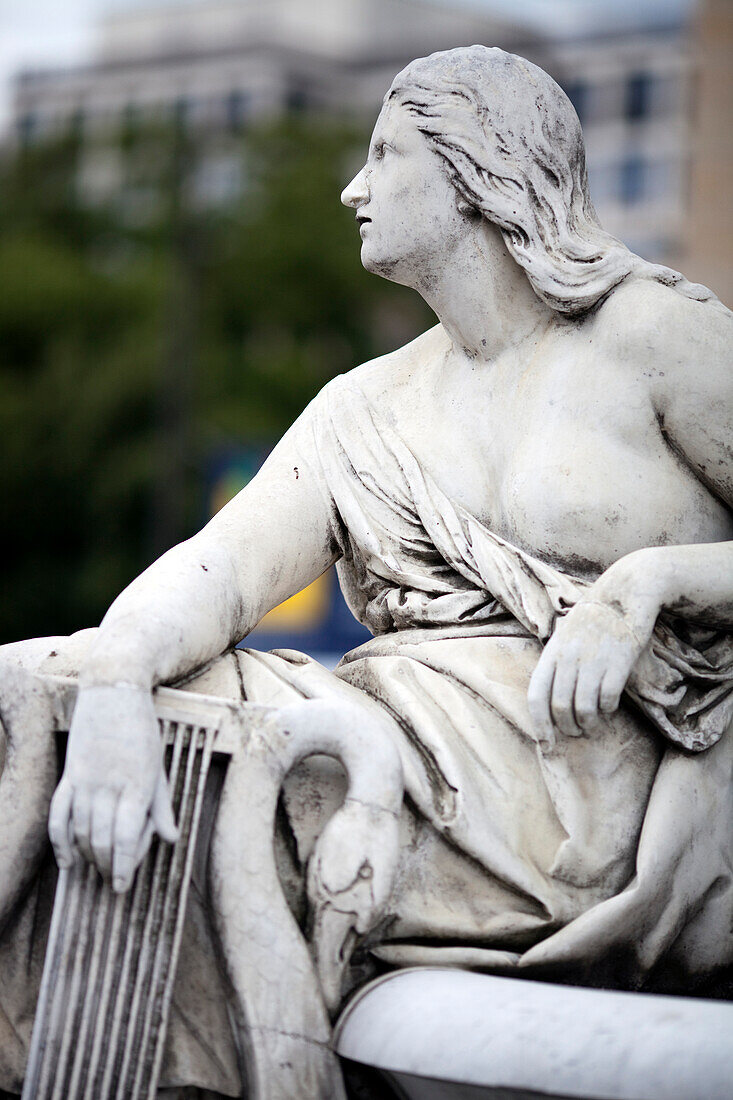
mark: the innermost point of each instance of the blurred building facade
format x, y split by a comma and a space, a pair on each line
219, 62
215, 64
707, 245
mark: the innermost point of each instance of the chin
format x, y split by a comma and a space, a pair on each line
386, 266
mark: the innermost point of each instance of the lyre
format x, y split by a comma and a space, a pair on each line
111, 958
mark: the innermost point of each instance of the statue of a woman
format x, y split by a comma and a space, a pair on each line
530, 508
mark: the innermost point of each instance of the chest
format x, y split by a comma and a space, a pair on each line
567, 462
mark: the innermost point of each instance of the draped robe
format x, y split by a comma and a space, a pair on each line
606, 855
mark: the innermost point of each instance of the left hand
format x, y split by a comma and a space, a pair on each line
584, 668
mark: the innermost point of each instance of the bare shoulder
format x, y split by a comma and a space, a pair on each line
680, 345
383, 381
385, 377
679, 350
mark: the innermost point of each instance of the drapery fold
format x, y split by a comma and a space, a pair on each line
430, 580
425, 560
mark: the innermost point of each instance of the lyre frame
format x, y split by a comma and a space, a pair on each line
111, 959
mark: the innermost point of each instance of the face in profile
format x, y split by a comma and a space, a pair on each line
405, 204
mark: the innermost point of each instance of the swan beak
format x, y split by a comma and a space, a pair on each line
334, 937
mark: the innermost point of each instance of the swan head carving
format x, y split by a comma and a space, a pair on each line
352, 869
350, 878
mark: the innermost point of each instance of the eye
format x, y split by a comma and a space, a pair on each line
380, 150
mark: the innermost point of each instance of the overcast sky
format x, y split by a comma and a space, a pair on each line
59, 32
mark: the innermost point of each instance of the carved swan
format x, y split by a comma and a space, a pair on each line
280, 989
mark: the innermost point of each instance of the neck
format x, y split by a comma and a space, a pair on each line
482, 297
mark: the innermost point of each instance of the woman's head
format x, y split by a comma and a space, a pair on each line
513, 148
406, 204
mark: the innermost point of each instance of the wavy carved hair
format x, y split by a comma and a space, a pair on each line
514, 149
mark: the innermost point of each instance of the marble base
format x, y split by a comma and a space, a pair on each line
465, 1036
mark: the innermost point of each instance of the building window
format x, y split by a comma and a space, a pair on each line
235, 109
603, 181
130, 116
632, 183
297, 98
638, 96
577, 93
27, 127
182, 111
662, 180
218, 180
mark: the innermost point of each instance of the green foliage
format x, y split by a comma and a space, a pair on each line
142, 330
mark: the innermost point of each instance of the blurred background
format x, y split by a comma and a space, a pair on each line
179, 279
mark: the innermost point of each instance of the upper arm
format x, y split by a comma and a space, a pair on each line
693, 397
279, 531
682, 348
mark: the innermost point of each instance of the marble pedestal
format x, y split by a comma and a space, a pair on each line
455, 1035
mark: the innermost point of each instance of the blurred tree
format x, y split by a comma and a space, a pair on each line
144, 330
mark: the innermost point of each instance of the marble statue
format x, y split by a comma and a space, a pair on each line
530, 508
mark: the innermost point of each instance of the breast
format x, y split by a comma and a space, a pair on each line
583, 498
564, 458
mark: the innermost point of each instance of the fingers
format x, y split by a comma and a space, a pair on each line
586, 699
144, 842
103, 818
538, 697
109, 829
162, 812
582, 672
612, 684
570, 696
134, 830
131, 820
107, 833
59, 821
562, 700
81, 823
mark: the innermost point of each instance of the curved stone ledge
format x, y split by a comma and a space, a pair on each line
490, 1036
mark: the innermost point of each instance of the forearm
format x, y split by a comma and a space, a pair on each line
182, 611
277, 535
694, 581
587, 661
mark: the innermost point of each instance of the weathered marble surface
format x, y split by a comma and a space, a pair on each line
530, 508
526, 1039
105, 998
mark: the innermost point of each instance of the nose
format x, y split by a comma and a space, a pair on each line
357, 192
